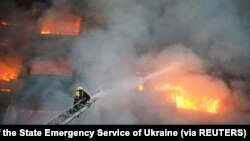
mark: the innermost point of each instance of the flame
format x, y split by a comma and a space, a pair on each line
45, 31
59, 26
140, 88
9, 69
185, 100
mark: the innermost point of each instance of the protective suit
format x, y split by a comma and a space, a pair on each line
81, 95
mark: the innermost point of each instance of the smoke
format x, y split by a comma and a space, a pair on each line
209, 39
202, 44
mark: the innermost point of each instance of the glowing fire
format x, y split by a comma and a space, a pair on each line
140, 88
9, 69
8, 75
45, 31
185, 100
59, 26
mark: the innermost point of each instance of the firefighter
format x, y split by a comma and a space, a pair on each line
81, 95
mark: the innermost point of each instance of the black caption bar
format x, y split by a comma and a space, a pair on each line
94, 131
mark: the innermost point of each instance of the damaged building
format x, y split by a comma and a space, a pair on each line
35, 39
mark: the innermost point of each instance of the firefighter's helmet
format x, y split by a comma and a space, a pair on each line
77, 92
79, 89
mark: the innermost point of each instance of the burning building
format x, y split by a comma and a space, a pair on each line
45, 44
35, 39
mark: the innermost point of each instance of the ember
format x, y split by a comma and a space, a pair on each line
60, 26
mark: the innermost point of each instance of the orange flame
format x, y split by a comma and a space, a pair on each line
185, 100
9, 69
45, 31
58, 26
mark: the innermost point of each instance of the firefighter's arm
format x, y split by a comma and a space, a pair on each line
87, 96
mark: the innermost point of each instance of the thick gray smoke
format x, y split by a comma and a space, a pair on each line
138, 32
202, 44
